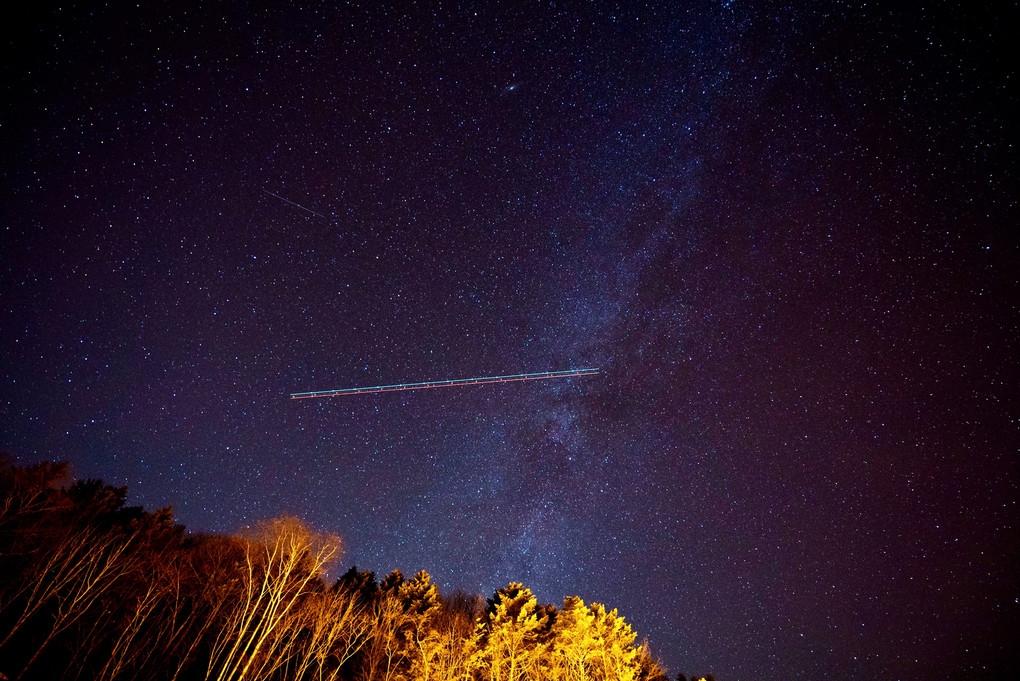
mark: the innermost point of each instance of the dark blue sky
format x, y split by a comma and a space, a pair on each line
787, 234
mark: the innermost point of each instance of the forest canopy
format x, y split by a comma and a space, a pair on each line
91, 588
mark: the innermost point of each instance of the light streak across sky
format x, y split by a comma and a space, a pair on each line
481, 380
293, 203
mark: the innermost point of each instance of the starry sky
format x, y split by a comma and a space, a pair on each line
786, 233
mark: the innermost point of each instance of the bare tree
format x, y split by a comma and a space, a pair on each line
454, 638
147, 604
282, 560
80, 572
337, 627
385, 651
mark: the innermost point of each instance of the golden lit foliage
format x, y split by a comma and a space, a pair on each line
454, 639
90, 589
592, 644
649, 668
511, 636
420, 600
574, 643
616, 656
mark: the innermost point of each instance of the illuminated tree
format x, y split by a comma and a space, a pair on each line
616, 657
420, 599
336, 627
92, 589
511, 635
73, 549
204, 590
392, 581
590, 644
281, 563
146, 602
456, 638
32, 525
385, 651
649, 668
28, 497
68, 580
573, 642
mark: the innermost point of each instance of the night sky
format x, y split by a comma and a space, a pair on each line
787, 235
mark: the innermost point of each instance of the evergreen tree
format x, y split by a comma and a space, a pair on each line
616, 658
574, 644
511, 635
392, 581
361, 584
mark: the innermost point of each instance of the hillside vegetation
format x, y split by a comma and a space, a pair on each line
93, 589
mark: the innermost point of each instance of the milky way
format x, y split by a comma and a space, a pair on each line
787, 236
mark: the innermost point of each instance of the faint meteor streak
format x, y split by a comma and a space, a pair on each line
482, 380
324, 217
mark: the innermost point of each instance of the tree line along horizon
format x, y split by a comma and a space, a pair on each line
93, 589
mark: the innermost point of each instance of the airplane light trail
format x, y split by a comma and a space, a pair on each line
482, 380
324, 217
